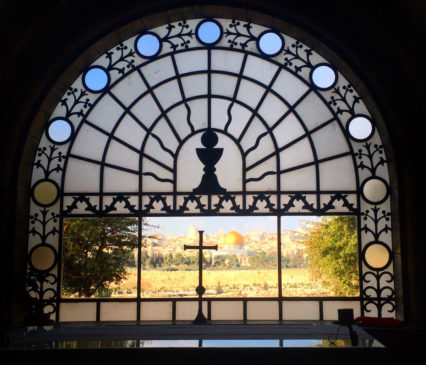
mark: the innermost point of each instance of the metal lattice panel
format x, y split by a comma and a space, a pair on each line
284, 133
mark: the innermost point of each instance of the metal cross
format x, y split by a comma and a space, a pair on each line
200, 319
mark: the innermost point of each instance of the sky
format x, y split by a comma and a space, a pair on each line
212, 225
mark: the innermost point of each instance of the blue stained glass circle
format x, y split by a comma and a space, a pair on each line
59, 131
148, 45
270, 43
323, 76
96, 79
209, 32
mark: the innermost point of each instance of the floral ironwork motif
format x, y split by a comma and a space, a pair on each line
376, 217
167, 208
126, 58
345, 100
369, 154
41, 289
236, 34
178, 35
46, 157
75, 99
383, 295
293, 57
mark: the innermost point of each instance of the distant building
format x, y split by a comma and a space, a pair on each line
233, 241
233, 244
193, 233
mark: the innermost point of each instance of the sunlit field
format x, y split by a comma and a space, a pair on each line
220, 283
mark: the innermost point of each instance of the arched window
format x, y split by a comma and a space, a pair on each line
211, 118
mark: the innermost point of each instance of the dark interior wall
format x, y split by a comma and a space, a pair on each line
41, 39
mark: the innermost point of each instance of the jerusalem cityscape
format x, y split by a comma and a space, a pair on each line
245, 265
240, 257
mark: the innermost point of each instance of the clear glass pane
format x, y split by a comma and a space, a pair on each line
330, 141
227, 310
81, 176
220, 116
128, 89
155, 178
301, 310
81, 312
298, 154
89, 143
223, 85
118, 311
187, 311
194, 85
272, 109
169, 93
240, 115
131, 132
245, 264
262, 310
146, 110
158, 71
250, 93
116, 181
338, 174
288, 130
290, 87
319, 256
156, 311
302, 179
106, 113
330, 309
120, 155
268, 172
313, 111
227, 61
259, 69
191, 61
263, 145
99, 258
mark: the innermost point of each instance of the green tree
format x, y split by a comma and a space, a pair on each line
263, 260
233, 261
96, 252
333, 254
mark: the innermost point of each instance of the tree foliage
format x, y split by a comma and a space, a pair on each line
333, 253
96, 252
263, 260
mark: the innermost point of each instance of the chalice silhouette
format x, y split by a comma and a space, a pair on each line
209, 156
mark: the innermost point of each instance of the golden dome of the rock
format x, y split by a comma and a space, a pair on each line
233, 238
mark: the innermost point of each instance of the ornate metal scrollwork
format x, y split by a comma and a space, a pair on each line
235, 33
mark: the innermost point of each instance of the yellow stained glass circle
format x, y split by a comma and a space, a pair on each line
45, 192
42, 258
375, 190
377, 255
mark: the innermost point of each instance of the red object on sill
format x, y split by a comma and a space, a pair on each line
378, 322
